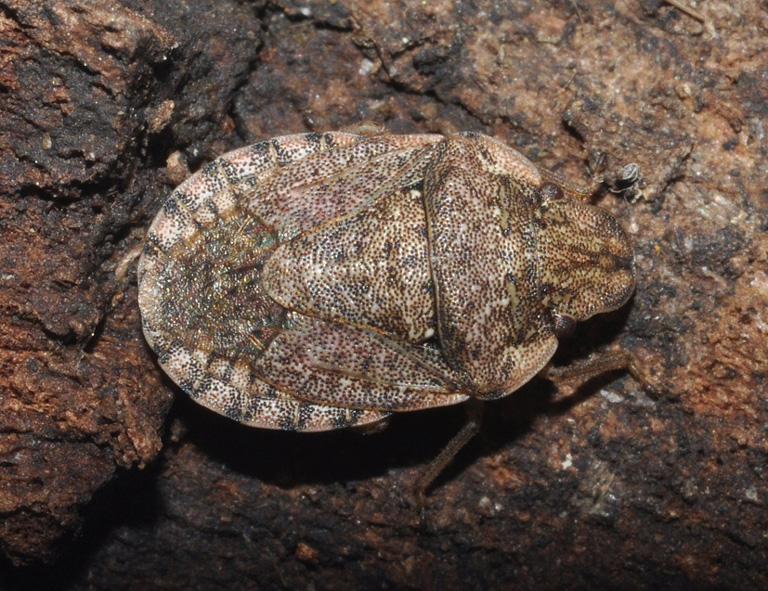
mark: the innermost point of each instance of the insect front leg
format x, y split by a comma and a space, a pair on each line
598, 365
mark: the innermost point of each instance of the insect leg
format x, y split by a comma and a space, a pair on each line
599, 364
467, 432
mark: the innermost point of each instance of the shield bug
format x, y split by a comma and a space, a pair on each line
326, 280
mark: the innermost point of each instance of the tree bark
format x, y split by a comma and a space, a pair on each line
105, 484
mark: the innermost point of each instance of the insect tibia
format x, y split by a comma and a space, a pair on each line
596, 365
467, 432
624, 180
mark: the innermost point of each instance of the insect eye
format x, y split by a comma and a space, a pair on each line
564, 326
550, 192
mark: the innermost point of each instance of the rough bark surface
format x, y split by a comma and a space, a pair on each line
105, 485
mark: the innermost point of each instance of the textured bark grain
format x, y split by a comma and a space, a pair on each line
593, 487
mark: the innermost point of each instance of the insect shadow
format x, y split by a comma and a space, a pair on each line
288, 459
512, 417
410, 441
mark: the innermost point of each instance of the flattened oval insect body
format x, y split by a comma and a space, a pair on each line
319, 281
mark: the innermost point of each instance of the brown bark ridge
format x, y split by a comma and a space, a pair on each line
600, 486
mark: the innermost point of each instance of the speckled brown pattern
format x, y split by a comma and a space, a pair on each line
318, 281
